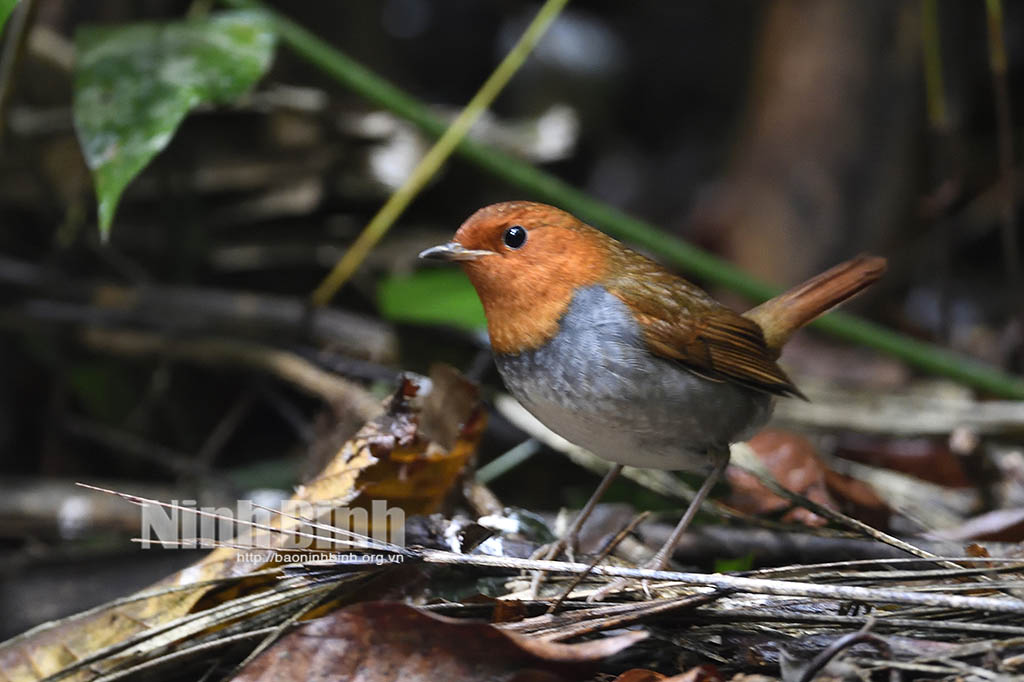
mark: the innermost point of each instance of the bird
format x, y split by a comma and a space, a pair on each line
618, 355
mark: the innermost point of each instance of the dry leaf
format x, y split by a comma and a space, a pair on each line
378, 641
387, 460
795, 464
701, 673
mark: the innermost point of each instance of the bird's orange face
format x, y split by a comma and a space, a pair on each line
526, 261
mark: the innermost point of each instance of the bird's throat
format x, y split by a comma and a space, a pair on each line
517, 325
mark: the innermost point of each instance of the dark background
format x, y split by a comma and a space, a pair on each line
782, 135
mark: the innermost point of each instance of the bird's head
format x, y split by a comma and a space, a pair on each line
526, 260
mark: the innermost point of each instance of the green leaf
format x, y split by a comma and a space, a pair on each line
740, 563
6, 7
431, 297
134, 84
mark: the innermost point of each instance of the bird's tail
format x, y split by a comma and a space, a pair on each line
784, 314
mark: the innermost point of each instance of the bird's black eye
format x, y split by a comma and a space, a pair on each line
514, 237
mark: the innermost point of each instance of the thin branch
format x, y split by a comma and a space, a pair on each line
282, 364
750, 585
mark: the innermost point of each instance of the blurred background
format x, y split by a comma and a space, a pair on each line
782, 136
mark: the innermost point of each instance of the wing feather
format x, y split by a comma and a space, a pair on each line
681, 322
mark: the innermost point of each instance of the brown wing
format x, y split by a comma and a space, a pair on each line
681, 322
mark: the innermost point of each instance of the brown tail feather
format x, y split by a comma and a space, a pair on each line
784, 314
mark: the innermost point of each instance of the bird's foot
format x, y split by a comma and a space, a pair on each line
619, 585
657, 562
550, 552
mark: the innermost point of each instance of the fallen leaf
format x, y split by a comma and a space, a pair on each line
388, 459
700, 673
377, 641
792, 460
795, 463
639, 675
929, 459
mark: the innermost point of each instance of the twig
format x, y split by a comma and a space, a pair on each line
508, 461
835, 648
901, 625
544, 186
282, 364
438, 154
224, 429
754, 466
832, 408
608, 549
200, 309
751, 585
638, 612
186, 654
130, 444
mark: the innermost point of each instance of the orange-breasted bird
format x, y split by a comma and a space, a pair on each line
618, 355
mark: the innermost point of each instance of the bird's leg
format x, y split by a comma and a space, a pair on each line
663, 557
571, 536
661, 560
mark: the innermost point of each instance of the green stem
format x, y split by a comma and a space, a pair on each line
924, 356
437, 155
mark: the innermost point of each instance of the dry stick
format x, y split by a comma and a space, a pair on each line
186, 654
763, 615
278, 631
837, 517
572, 534
131, 445
845, 642
751, 585
608, 549
640, 612
358, 541
438, 154
287, 366
189, 624
810, 568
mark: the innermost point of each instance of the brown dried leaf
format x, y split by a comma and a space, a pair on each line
391, 641
794, 462
929, 459
639, 675
700, 673
387, 460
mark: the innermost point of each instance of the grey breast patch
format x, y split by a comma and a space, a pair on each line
596, 385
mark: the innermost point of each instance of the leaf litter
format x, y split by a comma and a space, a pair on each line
385, 618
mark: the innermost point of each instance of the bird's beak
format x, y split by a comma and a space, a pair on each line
453, 251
